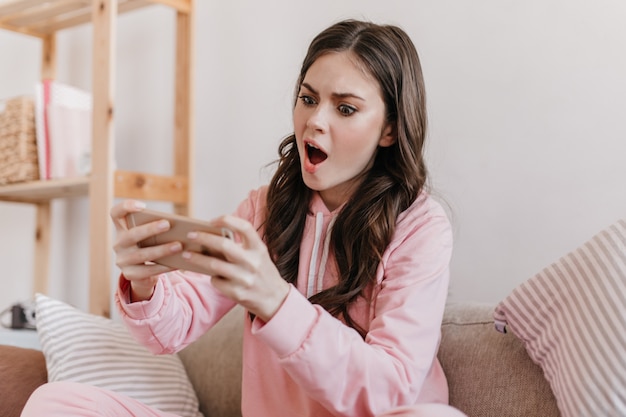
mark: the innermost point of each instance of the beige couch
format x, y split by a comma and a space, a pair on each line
490, 374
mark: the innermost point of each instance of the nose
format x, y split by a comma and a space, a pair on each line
318, 120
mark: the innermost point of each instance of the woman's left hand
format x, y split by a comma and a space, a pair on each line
241, 270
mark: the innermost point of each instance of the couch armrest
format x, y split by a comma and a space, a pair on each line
22, 371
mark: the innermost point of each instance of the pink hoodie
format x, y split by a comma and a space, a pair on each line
304, 362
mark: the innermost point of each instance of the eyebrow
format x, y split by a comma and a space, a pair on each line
337, 95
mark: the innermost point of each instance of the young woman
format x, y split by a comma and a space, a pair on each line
342, 262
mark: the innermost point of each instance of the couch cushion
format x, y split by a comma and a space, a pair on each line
490, 374
571, 319
213, 364
22, 371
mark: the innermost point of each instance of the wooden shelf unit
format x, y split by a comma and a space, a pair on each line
43, 19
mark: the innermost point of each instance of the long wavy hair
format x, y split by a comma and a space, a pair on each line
365, 225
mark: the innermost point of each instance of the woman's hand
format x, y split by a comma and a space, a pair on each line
134, 262
242, 271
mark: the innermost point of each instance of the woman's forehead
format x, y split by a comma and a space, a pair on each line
341, 73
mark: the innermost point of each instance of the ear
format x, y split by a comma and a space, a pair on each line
388, 136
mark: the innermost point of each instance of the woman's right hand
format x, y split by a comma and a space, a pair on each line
135, 262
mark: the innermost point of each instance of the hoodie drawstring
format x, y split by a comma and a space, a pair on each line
315, 282
319, 222
320, 279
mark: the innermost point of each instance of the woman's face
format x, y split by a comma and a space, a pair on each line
339, 121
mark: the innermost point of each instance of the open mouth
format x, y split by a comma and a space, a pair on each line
316, 155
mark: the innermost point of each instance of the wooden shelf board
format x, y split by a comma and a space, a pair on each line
40, 191
127, 184
43, 17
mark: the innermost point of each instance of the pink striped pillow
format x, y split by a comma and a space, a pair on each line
571, 317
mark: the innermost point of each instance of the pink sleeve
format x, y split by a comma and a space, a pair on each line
183, 307
352, 376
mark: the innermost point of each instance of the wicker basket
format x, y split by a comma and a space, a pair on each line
18, 143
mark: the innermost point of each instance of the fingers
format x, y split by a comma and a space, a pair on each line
119, 211
242, 228
139, 256
130, 237
142, 272
246, 250
241, 269
212, 265
133, 261
227, 258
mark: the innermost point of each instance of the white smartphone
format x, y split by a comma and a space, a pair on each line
180, 226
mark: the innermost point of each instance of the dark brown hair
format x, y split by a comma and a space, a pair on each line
365, 225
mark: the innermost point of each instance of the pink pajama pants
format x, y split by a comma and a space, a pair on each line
69, 399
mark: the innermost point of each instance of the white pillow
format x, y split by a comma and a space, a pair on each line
571, 317
94, 350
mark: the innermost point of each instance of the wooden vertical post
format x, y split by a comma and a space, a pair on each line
184, 117
42, 210
42, 247
48, 57
102, 152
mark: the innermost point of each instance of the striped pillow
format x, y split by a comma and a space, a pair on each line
571, 318
94, 350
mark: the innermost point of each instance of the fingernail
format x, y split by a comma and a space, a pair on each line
192, 235
176, 247
140, 205
163, 224
186, 255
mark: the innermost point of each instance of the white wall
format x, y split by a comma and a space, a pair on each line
526, 103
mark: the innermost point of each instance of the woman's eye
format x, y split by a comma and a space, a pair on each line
346, 110
307, 100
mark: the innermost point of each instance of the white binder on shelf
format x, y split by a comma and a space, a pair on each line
63, 128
